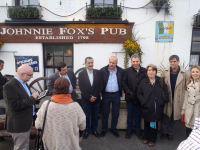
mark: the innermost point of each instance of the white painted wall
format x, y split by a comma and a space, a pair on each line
145, 22
28, 49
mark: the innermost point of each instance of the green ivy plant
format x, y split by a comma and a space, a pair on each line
110, 12
159, 3
23, 12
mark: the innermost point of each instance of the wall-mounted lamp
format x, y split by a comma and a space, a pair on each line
69, 51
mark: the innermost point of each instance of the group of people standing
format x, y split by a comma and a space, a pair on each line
153, 98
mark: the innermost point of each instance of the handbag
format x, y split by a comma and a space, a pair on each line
183, 119
38, 141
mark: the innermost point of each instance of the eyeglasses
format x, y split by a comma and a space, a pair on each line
30, 75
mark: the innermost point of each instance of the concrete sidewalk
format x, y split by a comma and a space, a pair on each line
109, 142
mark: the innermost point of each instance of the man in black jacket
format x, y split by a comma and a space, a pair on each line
90, 84
20, 107
3, 80
131, 80
111, 93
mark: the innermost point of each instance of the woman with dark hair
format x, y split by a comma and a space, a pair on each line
191, 104
152, 93
63, 121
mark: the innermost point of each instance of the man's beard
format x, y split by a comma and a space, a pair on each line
1, 70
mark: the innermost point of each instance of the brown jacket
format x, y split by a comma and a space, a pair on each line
179, 92
191, 104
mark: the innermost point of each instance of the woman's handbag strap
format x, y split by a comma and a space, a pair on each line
45, 118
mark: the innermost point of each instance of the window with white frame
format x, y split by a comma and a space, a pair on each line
103, 2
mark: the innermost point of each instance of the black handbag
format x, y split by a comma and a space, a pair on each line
38, 141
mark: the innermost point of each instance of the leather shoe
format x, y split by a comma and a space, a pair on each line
114, 133
103, 133
96, 134
151, 144
163, 135
139, 135
128, 134
170, 137
145, 141
85, 135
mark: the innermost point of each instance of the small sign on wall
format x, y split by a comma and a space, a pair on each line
63, 5
164, 31
32, 61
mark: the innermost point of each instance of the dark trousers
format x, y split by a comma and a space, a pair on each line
134, 113
150, 133
168, 124
93, 110
188, 131
107, 100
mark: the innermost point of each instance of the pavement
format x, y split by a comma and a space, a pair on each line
109, 142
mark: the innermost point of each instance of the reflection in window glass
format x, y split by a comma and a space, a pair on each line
68, 61
58, 50
67, 50
49, 60
195, 46
57, 60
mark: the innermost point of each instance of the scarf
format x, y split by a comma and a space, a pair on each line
153, 124
62, 98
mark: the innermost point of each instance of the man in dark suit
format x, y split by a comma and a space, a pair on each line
111, 93
131, 80
90, 84
20, 107
3, 80
64, 72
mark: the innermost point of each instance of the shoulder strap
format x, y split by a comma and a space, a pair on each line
45, 118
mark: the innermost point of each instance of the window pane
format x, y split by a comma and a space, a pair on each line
67, 50
109, 2
194, 60
58, 50
48, 50
195, 46
68, 61
32, 2
57, 60
98, 1
196, 36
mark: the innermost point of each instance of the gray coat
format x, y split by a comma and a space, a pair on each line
56, 75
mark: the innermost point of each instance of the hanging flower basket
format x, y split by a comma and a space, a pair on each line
130, 47
159, 4
1, 43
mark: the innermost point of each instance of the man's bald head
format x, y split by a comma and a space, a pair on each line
25, 72
113, 60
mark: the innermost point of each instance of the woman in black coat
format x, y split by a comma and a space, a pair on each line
152, 94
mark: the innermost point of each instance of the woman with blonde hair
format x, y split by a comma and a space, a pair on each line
191, 104
63, 121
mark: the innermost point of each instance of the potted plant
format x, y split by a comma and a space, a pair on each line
103, 12
159, 3
130, 47
19, 12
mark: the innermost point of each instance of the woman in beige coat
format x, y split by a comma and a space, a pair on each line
191, 105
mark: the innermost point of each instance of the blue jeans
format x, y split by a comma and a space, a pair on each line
134, 113
115, 100
93, 110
